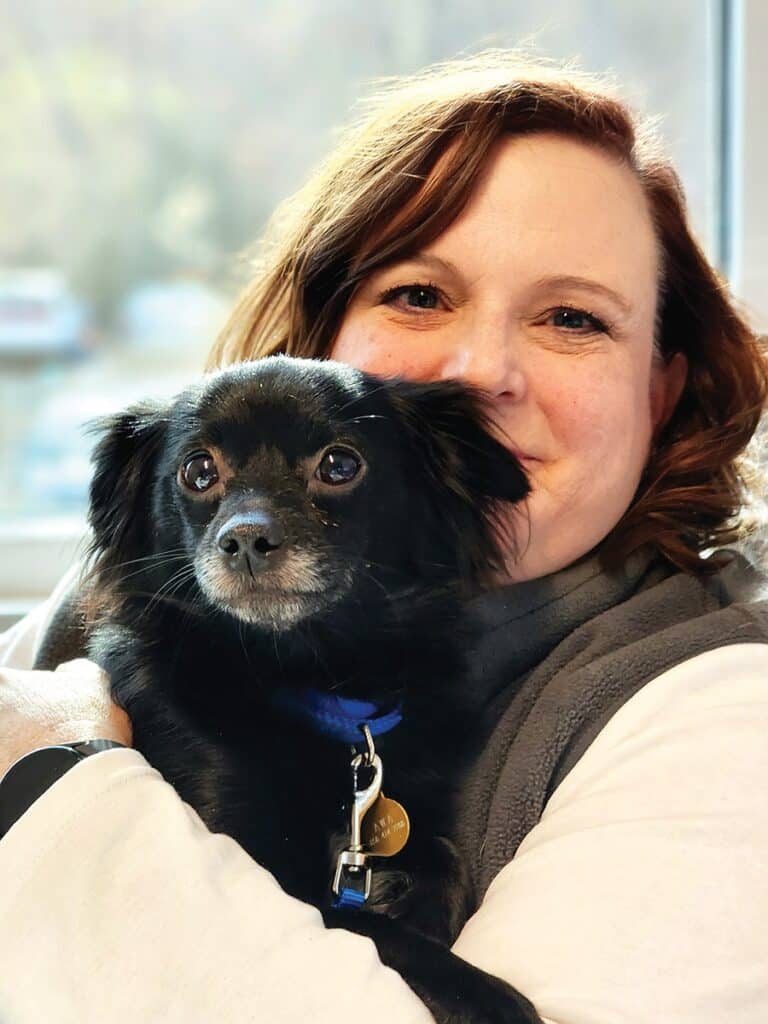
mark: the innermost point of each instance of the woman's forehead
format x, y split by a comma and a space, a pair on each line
547, 205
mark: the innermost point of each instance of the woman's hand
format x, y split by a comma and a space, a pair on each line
40, 709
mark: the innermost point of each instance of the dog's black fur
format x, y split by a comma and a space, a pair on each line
216, 581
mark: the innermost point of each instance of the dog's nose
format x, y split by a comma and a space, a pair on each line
248, 539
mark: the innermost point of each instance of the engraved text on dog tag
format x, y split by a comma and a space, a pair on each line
385, 828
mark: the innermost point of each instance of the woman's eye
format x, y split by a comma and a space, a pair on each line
338, 466
577, 321
199, 472
411, 296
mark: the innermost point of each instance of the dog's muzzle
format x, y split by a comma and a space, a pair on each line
251, 542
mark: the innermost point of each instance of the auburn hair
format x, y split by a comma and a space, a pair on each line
429, 136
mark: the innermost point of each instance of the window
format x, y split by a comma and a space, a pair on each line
146, 144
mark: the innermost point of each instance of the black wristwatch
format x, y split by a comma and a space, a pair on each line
30, 776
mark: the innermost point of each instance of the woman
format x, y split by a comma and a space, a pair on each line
508, 226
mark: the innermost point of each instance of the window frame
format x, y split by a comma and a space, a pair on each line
744, 147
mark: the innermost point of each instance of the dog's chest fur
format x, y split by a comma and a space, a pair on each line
202, 716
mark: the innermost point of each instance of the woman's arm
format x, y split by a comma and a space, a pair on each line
642, 894
116, 899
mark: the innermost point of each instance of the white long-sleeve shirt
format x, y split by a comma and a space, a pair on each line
641, 895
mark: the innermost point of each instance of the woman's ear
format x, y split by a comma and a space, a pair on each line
667, 383
124, 460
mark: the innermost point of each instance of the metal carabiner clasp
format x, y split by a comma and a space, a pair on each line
353, 859
364, 798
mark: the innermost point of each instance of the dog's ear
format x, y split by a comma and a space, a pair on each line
477, 478
123, 459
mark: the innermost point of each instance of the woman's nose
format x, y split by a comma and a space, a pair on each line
487, 357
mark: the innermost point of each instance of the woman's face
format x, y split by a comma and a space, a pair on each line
543, 292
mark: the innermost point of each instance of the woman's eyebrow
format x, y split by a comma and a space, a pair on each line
585, 284
424, 259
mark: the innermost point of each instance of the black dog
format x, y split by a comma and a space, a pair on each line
280, 555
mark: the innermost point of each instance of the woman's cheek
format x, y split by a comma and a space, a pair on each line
357, 347
594, 404
373, 349
579, 414
367, 348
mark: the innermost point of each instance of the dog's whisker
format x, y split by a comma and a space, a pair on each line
193, 611
241, 636
179, 578
192, 606
156, 565
320, 660
167, 598
379, 584
157, 560
148, 558
181, 575
168, 552
190, 612
276, 647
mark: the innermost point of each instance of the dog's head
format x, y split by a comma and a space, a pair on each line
278, 489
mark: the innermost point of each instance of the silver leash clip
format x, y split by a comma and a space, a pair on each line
351, 863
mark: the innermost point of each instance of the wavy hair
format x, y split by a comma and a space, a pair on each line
429, 136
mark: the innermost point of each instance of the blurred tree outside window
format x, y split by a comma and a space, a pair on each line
146, 143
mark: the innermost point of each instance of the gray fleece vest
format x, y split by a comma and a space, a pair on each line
555, 657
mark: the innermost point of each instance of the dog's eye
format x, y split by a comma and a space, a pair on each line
199, 472
338, 466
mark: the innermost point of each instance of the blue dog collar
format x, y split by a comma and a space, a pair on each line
339, 718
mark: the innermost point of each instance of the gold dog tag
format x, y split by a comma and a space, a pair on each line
385, 828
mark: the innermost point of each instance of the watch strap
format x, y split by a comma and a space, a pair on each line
30, 776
